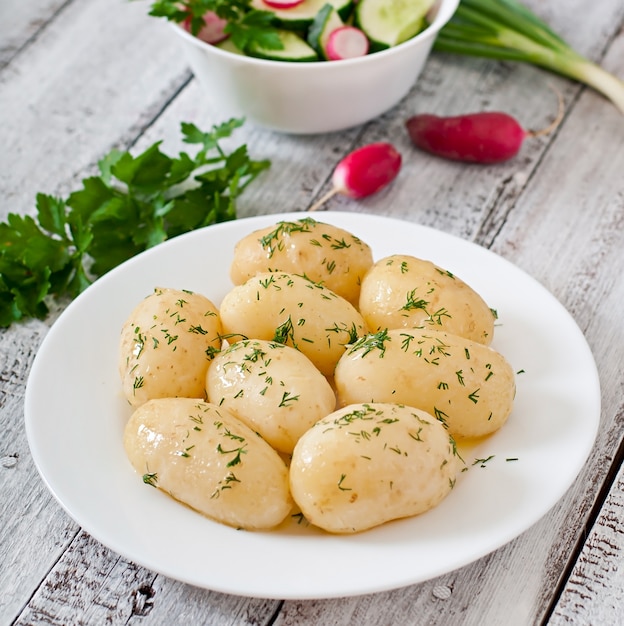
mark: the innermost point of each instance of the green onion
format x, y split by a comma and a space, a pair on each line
506, 30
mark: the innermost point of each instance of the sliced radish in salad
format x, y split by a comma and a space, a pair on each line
364, 171
213, 30
282, 4
346, 42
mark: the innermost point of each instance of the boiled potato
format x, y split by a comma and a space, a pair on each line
288, 308
273, 388
203, 456
402, 291
324, 253
166, 345
468, 386
367, 464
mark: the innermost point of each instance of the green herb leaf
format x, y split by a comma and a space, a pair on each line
245, 25
507, 30
136, 203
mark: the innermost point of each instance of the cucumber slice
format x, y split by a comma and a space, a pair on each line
326, 21
295, 49
388, 23
300, 17
228, 46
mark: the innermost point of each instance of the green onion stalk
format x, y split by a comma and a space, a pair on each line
507, 30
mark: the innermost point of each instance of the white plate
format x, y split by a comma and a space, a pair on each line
75, 417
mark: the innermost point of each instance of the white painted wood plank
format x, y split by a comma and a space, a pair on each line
94, 79
20, 21
33, 530
70, 96
99, 587
594, 595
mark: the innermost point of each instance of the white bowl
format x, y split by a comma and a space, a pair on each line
308, 98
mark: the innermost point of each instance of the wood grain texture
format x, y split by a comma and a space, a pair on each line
21, 22
98, 587
33, 530
594, 594
95, 78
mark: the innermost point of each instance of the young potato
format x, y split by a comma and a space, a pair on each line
466, 385
367, 464
205, 457
402, 291
287, 308
273, 388
324, 253
166, 345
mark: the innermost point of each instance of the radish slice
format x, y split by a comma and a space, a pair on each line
282, 4
364, 171
213, 30
346, 42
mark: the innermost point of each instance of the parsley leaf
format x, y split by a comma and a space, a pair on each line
136, 203
245, 25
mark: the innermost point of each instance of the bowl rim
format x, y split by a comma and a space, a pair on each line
444, 12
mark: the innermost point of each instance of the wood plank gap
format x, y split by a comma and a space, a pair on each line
488, 232
594, 513
483, 236
184, 83
600, 58
615, 34
484, 229
30, 40
134, 133
276, 614
36, 589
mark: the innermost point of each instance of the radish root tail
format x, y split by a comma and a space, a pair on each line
555, 123
323, 199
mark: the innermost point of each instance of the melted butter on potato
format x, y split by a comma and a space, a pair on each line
166, 345
273, 388
206, 458
290, 309
367, 464
402, 291
324, 253
466, 385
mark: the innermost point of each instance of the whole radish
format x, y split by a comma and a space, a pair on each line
364, 171
486, 137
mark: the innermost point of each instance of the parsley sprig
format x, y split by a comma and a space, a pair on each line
135, 203
245, 25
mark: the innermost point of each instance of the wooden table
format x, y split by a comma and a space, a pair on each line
79, 77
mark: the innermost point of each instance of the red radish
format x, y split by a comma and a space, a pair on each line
364, 171
346, 42
282, 4
487, 137
213, 30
